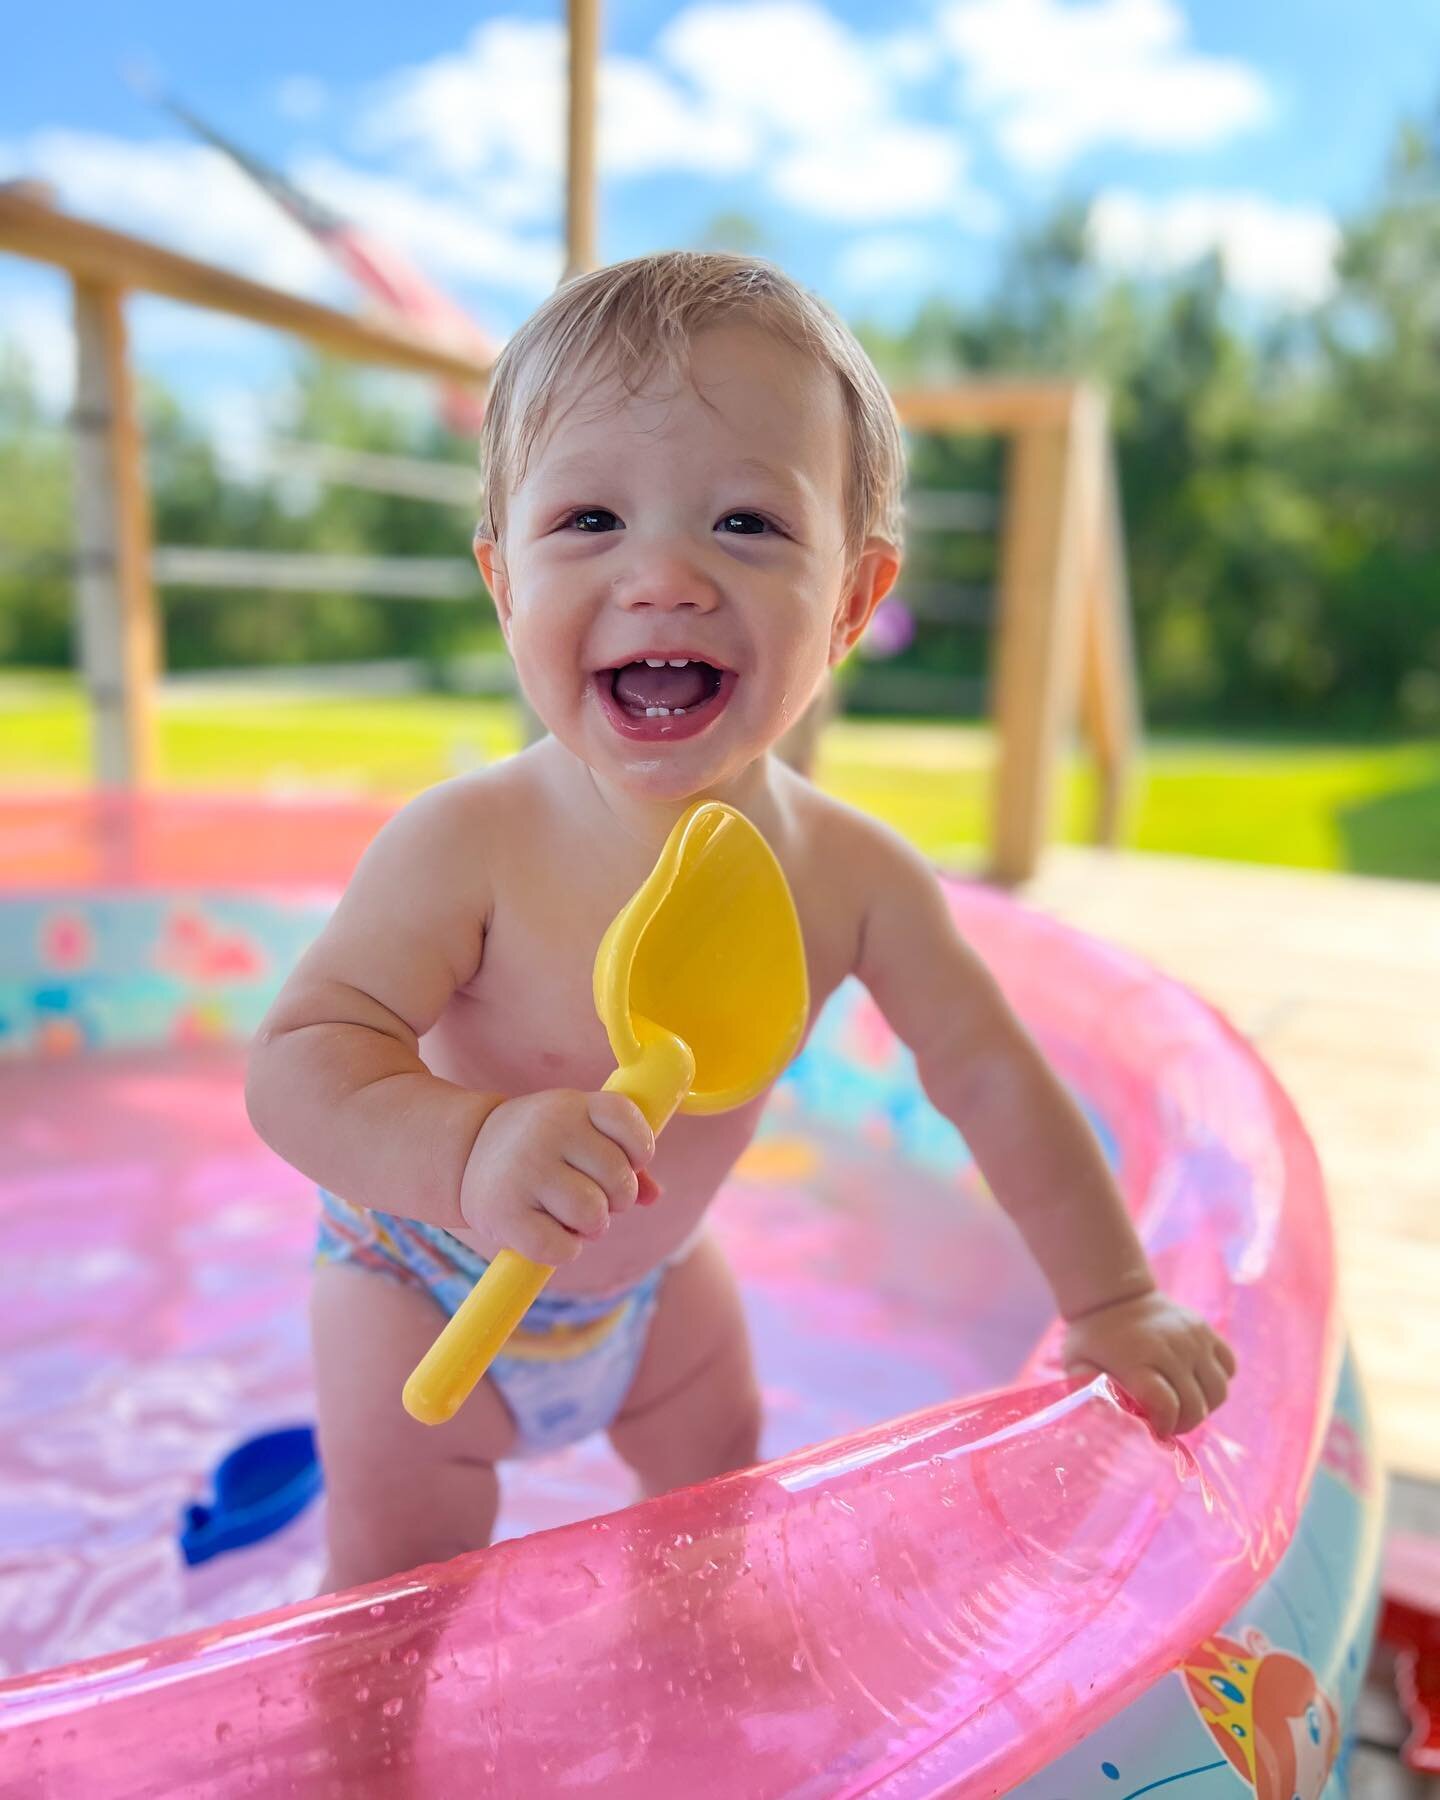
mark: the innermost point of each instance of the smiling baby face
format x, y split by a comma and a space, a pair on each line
692, 507
673, 577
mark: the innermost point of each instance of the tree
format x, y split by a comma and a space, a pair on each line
35, 604
1278, 479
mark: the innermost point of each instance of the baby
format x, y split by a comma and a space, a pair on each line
693, 479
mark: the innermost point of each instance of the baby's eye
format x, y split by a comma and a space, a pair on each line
595, 518
743, 524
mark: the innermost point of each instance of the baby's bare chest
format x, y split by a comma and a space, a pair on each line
526, 1020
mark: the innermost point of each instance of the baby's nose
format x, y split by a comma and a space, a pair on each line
668, 581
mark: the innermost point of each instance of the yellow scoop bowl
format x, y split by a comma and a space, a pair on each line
700, 984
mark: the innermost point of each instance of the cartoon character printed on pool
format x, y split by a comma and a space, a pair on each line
1268, 1713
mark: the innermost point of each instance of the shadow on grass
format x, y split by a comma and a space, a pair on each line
1394, 834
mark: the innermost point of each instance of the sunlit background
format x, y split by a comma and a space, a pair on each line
1230, 215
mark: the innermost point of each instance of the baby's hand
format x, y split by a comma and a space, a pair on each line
548, 1170
1165, 1357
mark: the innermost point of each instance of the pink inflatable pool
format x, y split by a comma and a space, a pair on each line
954, 1568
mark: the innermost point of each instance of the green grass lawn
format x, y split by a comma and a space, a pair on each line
1370, 808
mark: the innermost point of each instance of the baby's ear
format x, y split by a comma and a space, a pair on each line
870, 581
492, 570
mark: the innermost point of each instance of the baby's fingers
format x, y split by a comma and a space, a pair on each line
1193, 1406
622, 1121
1157, 1397
1213, 1379
533, 1232
603, 1161
577, 1202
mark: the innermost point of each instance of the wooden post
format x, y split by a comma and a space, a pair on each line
118, 624
1109, 699
580, 237
580, 233
1042, 588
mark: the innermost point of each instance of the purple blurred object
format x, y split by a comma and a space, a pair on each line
890, 631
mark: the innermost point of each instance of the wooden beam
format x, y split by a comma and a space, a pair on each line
109, 259
1109, 696
418, 478
580, 224
119, 629
999, 406
304, 571
1038, 643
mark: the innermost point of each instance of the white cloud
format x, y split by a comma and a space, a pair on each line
447, 237
301, 97
822, 102
1269, 251
779, 89
788, 66
886, 259
893, 172
648, 123
908, 56
38, 322
493, 107
496, 109
1058, 79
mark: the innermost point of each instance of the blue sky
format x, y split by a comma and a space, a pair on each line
884, 151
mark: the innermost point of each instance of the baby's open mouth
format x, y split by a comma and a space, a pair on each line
656, 687
663, 696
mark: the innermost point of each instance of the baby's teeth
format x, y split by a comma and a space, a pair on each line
654, 662
658, 712
679, 662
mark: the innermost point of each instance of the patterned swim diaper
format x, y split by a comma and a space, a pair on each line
563, 1374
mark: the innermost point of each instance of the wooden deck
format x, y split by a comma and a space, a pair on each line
1337, 980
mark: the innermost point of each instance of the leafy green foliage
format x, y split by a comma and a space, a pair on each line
1279, 482
34, 525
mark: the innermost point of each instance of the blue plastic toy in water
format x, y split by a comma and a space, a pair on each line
261, 1485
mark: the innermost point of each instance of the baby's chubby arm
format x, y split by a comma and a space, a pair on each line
336, 1084
982, 1070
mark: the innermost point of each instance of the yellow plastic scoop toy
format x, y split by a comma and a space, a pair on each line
700, 984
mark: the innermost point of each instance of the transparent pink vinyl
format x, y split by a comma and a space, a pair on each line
934, 1603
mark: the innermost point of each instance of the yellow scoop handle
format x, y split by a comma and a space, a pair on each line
710, 947
477, 1332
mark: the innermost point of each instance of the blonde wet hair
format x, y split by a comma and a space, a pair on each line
631, 317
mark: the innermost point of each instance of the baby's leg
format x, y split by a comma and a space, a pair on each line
693, 1410
398, 1493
